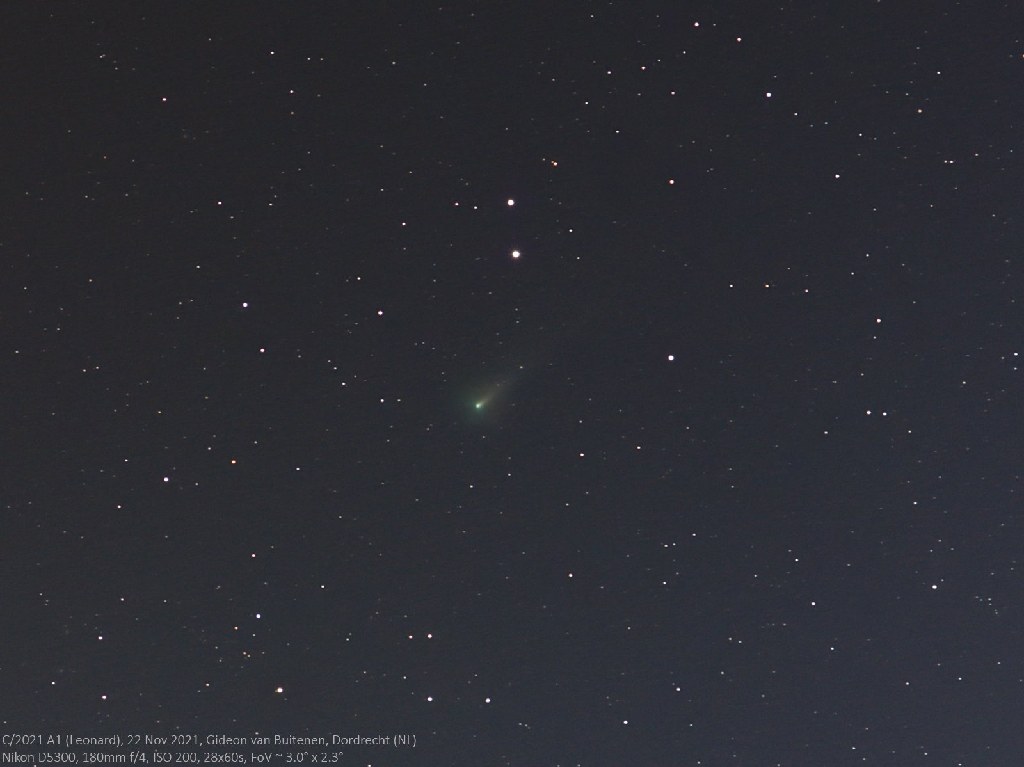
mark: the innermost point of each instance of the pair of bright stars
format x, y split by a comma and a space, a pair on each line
511, 203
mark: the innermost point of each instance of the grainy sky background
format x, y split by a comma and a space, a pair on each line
564, 383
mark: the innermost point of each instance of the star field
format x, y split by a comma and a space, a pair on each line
567, 384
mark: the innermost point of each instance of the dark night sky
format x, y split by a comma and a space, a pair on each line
564, 383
